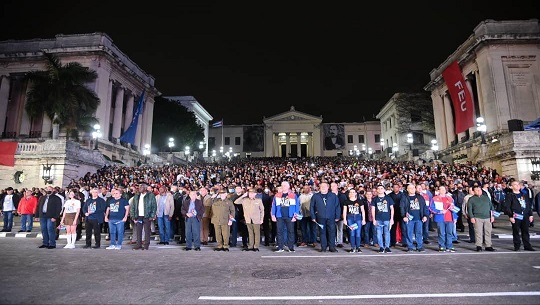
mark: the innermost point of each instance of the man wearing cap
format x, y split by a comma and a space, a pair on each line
253, 214
8, 204
222, 213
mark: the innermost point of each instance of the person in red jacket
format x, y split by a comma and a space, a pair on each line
27, 209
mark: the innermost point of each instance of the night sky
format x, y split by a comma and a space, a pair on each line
246, 61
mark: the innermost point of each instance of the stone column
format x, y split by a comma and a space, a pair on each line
118, 105
148, 121
129, 112
439, 120
449, 117
277, 147
268, 141
4, 97
26, 121
310, 144
138, 134
298, 144
288, 144
317, 141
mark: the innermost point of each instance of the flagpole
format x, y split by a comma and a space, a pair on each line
222, 139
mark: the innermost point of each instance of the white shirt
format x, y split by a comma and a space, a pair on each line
72, 205
8, 203
141, 204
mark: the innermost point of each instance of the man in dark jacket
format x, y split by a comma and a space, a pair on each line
178, 222
193, 210
49, 209
396, 196
519, 211
9, 202
414, 212
326, 211
94, 210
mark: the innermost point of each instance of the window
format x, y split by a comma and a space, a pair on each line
377, 138
227, 141
349, 138
211, 143
361, 138
236, 140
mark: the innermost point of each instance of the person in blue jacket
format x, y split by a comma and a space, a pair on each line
325, 210
414, 211
285, 208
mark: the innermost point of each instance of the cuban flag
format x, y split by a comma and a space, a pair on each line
518, 216
495, 214
218, 124
455, 209
298, 216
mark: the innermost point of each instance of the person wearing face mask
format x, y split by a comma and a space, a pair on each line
49, 209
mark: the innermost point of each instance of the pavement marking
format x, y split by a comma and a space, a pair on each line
396, 254
509, 236
372, 296
536, 267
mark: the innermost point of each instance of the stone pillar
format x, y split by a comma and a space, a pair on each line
288, 144
317, 141
298, 144
138, 134
310, 144
148, 121
277, 147
268, 141
119, 104
26, 121
4, 97
449, 117
129, 112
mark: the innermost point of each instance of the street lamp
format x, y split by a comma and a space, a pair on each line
186, 152
201, 145
96, 135
370, 152
395, 148
434, 147
171, 144
214, 154
535, 173
221, 150
482, 128
410, 140
146, 152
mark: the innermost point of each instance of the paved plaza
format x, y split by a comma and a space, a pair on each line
169, 275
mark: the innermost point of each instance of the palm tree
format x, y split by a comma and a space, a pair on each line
60, 92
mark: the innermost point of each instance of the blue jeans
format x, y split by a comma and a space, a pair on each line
383, 227
193, 232
164, 225
354, 235
370, 233
8, 220
309, 230
116, 227
454, 232
425, 227
445, 230
238, 228
27, 222
48, 230
415, 227
285, 232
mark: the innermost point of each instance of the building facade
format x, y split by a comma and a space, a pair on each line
296, 134
119, 85
500, 63
406, 126
201, 115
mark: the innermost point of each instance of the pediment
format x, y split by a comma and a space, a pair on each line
292, 115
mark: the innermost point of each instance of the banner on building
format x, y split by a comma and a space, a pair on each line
129, 134
7, 153
253, 139
461, 97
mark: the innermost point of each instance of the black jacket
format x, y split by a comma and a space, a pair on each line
16, 198
54, 207
512, 205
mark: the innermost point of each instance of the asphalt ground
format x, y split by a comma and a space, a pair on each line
169, 275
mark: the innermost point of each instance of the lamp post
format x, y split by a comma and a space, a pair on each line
395, 148
47, 173
482, 128
370, 152
186, 152
171, 144
96, 135
214, 154
146, 152
410, 140
535, 173
434, 147
221, 151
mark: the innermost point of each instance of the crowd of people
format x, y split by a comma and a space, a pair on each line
322, 202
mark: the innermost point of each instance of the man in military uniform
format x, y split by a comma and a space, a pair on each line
222, 218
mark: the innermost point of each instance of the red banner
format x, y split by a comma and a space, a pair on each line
7, 153
461, 97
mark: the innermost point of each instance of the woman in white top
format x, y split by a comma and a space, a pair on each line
72, 208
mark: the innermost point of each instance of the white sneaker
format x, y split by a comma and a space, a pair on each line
66, 246
71, 246
111, 247
118, 248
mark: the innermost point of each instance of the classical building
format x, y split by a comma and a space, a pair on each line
119, 85
500, 65
296, 134
201, 115
406, 126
